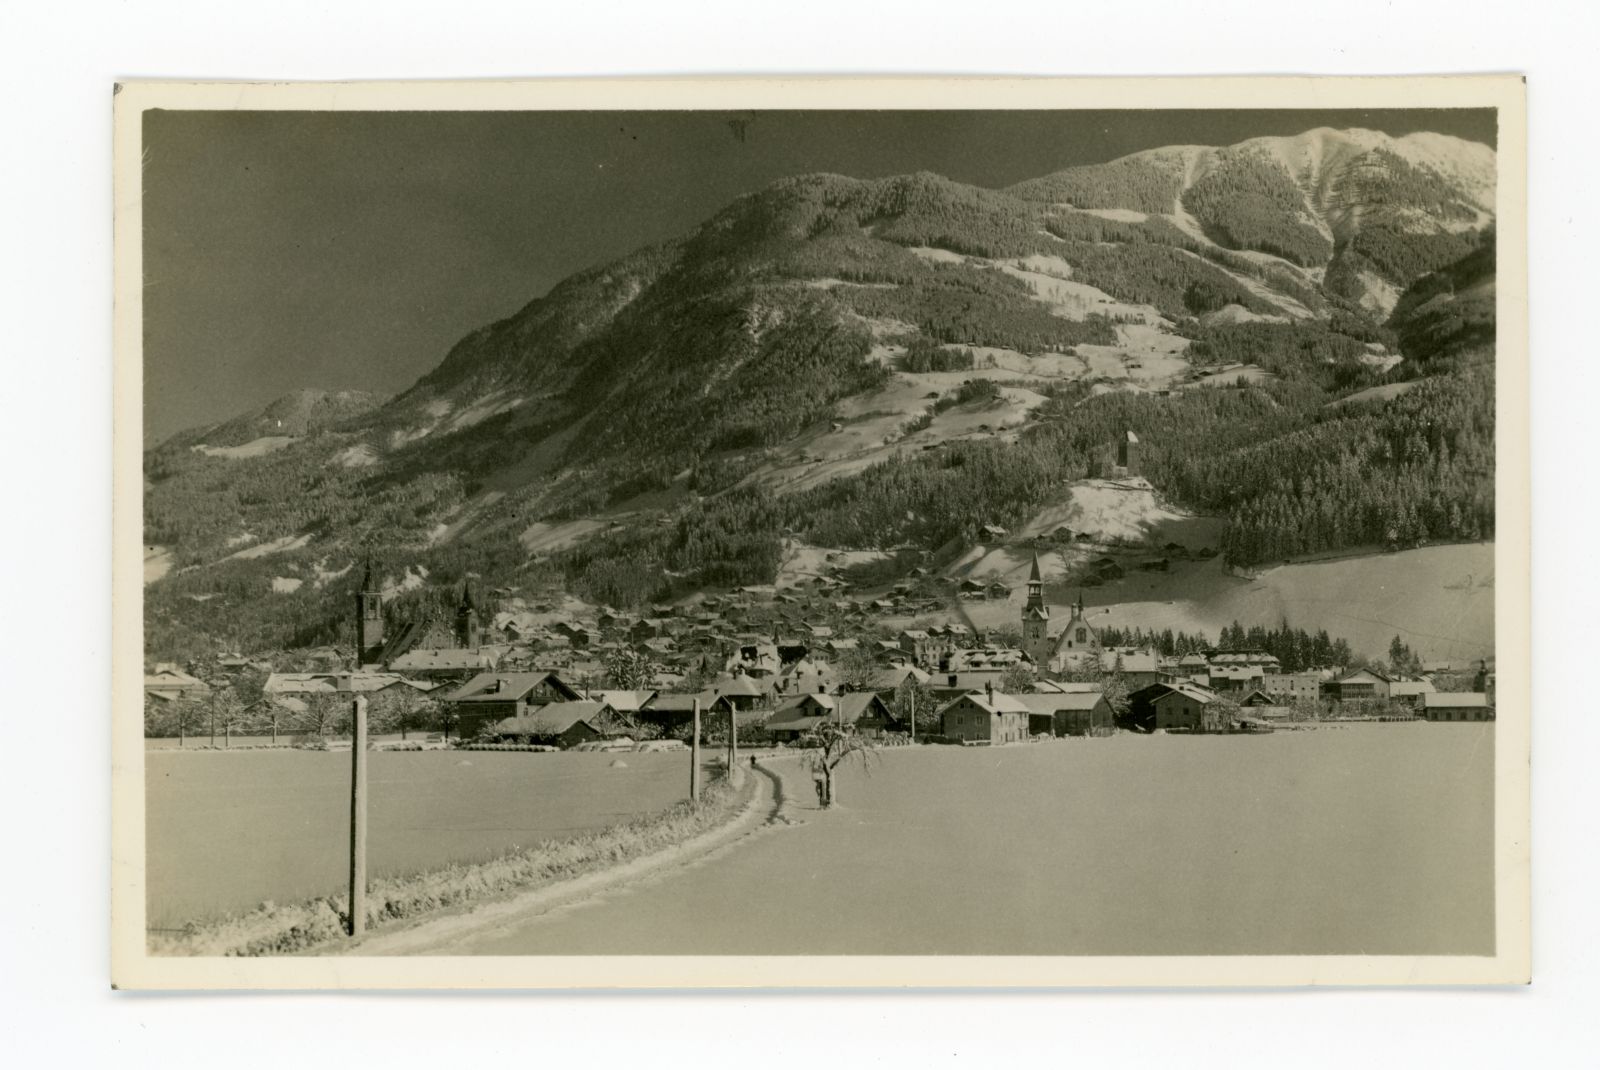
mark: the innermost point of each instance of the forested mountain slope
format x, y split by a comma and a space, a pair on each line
877, 363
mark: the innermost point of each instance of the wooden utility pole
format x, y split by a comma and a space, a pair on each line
358, 815
913, 716
733, 740
694, 758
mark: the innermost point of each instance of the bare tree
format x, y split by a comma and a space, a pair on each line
323, 712
629, 670
858, 671
1017, 679
412, 710
913, 700
225, 710
833, 745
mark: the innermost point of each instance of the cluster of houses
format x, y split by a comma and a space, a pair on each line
532, 675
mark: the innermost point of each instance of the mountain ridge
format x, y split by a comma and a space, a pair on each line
824, 326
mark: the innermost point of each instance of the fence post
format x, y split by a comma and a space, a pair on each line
694, 758
358, 816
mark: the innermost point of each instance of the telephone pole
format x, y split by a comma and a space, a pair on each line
694, 758
733, 740
358, 816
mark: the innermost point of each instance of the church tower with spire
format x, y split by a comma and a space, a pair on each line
1036, 619
467, 619
369, 618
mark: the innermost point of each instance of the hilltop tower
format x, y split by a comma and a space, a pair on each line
369, 618
1128, 454
1036, 619
467, 619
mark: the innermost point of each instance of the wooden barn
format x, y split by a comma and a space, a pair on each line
1075, 713
1177, 707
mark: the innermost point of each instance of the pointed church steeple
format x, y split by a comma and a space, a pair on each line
467, 619
1036, 618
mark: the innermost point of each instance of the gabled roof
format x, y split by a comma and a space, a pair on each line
625, 701
1056, 701
555, 718
170, 678
514, 686
807, 698
857, 704
1379, 673
669, 702
421, 660
560, 716
971, 680
884, 679
737, 684
997, 702
1197, 692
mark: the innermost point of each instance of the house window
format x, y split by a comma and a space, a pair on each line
1081, 635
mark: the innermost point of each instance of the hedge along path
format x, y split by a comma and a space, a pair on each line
753, 804
560, 870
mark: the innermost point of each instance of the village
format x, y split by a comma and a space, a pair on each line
774, 665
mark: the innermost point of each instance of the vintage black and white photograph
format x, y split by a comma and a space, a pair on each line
758, 530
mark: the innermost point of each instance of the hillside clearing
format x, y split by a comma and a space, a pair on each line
1386, 392
276, 546
259, 447
803, 562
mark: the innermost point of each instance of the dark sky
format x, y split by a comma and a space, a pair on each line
352, 249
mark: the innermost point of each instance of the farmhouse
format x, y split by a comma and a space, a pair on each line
672, 711
1457, 706
741, 691
490, 697
985, 718
862, 710
564, 724
1178, 707
169, 683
